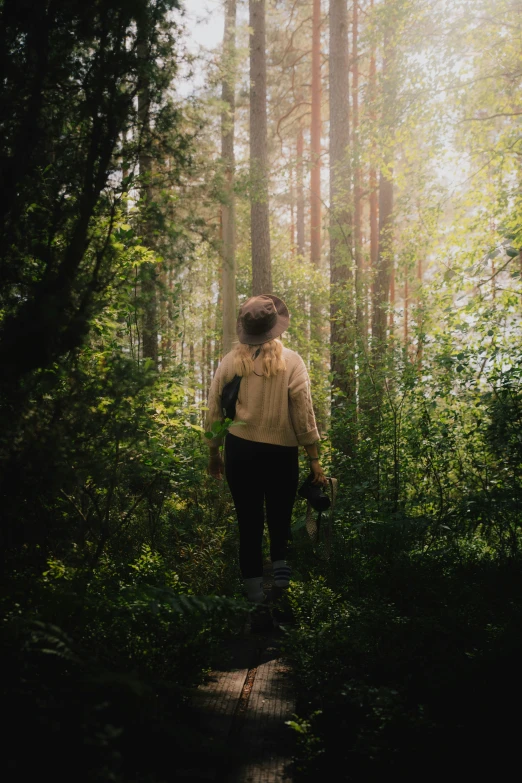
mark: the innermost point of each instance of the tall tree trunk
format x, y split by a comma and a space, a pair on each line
384, 261
203, 367
300, 206
357, 196
384, 265
315, 138
300, 230
164, 346
192, 373
406, 305
209, 332
259, 215
148, 271
292, 211
228, 209
342, 334
317, 316
392, 299
419, 312
374, 208
218, 340
341, 294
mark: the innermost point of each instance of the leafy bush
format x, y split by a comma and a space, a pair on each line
416, 666
116, 684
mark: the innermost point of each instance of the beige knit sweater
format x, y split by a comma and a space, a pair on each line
275, 410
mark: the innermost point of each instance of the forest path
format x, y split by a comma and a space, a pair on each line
242, 711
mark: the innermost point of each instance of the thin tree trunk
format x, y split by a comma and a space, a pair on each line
218, 341
228, 210
208, 365
292, 212
384, 265
357, 196
342, 334
419, 312
203, 368
392, 298
209, 331
341, 294
259, 215
317, 316
148, 271
163, 316
315, 138
374, 208
406, 305
300, 196
384, 259
300, 230
192, 371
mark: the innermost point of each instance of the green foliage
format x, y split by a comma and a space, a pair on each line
115, 685
406, 657
119, 556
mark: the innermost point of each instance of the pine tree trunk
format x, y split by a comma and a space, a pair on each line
315, 139
372, 178
318, 322
360, 292
228, 210
259, 215
384, 264
341, 293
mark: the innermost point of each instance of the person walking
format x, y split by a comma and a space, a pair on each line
261, 455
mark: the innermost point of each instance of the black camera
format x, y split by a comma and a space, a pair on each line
314, 494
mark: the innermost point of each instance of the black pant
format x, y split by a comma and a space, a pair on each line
259, 472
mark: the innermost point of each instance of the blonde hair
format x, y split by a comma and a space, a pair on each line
271, 352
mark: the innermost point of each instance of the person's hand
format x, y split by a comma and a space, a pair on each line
319, 477
215, 466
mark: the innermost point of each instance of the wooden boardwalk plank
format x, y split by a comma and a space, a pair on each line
242, 711
265, 738
214, 705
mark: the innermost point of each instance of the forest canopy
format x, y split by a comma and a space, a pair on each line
361, 160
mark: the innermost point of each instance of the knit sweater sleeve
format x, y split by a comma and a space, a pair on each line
300, 405
214, 412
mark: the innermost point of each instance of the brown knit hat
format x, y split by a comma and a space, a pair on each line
262, 318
